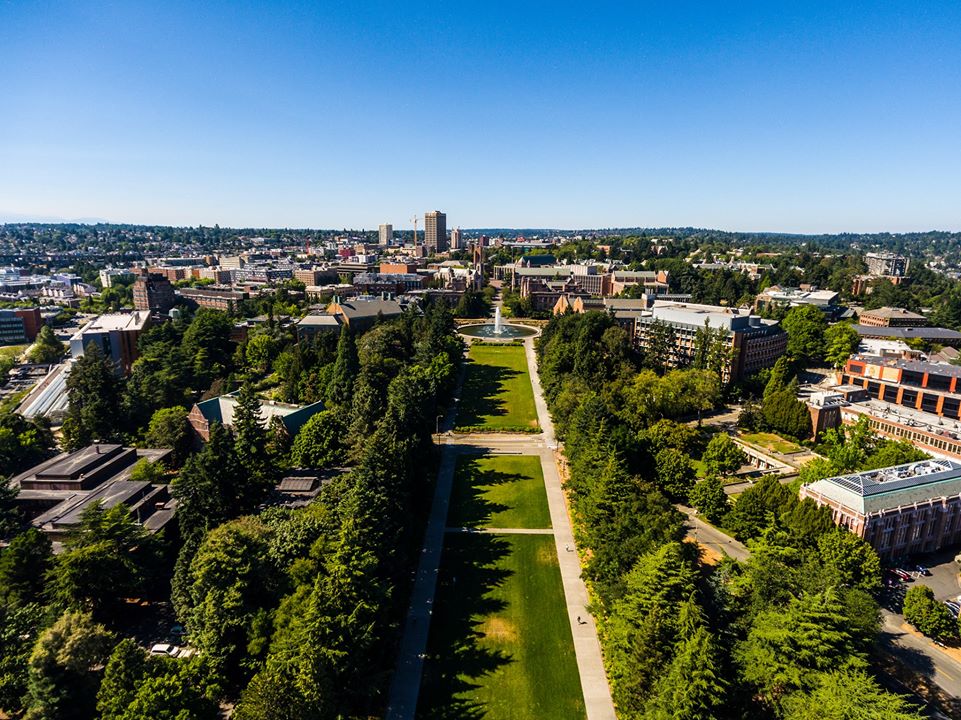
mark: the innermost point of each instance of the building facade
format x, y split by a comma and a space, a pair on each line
19, 325
225, 299
891, 317
116, 335
754, 343
385, 233
154, 293
886, 264
932, 388
901, 510
435, 231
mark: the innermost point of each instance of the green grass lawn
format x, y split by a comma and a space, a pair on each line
772, 442
500, 644
497, 391
500, 491
13, 351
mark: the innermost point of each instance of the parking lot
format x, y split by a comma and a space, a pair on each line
943, 580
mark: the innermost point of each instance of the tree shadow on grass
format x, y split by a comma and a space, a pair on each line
456, 661
469, 507
481, 393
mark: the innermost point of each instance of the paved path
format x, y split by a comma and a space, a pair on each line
709, 536
405, 685
587, 648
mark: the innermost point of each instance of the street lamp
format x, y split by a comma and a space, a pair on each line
437, 425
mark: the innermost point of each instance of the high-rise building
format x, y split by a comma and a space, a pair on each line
887, 264
153, 292
386, 233
435, 231
455, 239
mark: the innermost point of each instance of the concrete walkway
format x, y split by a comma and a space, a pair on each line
587, 648
405, 685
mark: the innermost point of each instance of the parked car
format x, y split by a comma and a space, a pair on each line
921, 570
165, 649
954, 608
903, 574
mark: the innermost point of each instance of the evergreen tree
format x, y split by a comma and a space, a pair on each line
786, 648
780, 377
675, 474
693, 688
46, 348
250, 443
94, 391
848, 696
340, 390
23, 567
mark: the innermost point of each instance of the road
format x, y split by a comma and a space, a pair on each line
916, 652
710, 537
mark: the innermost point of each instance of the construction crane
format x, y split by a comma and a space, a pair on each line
414, 220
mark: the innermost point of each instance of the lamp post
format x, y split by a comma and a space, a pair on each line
437, 425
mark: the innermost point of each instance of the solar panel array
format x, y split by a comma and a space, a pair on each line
899, 477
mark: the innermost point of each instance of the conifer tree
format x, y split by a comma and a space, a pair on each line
340, 390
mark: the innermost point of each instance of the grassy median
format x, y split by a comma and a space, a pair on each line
497, 392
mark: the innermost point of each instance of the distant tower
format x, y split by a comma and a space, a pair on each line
386, 233
435, 231
455, 239
479, 255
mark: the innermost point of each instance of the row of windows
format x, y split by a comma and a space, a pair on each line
941, 443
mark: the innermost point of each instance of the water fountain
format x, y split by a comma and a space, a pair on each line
497, 330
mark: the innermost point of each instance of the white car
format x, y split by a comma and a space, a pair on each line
165, 649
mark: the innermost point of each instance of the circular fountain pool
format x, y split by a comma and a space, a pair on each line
487, 331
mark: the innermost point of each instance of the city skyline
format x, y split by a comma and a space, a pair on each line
754, 119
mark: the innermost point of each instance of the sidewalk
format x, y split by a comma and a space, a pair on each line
587, 648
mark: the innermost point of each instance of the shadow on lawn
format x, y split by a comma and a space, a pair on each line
456, 661
470, 507
481, 388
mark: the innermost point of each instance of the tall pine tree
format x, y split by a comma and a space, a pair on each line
341, 388
94, 390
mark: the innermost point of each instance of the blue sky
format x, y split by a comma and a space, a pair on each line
786, 116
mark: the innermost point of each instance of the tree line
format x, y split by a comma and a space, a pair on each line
786, 634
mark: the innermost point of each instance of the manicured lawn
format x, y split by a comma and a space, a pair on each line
500, 491
772, 442
13, 351
497, 390
500, 643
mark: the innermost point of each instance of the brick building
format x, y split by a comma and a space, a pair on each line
900, 510
153, 292
891, 317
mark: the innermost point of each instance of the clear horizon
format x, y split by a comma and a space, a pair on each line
800, 120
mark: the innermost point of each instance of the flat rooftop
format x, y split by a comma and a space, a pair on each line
899, 477
876, 491
918, 366
116, 321
893, 312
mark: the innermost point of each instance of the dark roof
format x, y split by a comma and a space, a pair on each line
906, 333
370, 308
